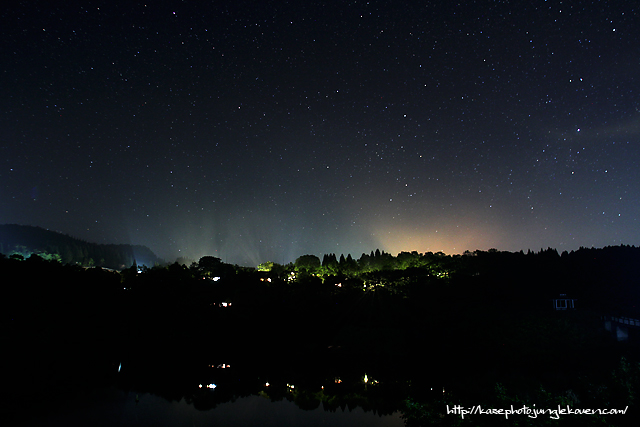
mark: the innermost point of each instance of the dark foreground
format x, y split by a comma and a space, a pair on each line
412, 342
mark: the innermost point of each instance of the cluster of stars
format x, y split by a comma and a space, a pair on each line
190, 127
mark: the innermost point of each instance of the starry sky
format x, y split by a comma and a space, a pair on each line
265, 130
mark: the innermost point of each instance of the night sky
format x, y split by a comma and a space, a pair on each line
265, 130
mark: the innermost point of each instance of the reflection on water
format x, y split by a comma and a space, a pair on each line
110, 407
269, 392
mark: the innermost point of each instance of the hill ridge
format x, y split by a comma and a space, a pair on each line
25, 240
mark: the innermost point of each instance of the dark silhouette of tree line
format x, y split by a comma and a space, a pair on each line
466, 322
22, 241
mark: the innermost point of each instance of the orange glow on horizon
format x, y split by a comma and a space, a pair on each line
448, 239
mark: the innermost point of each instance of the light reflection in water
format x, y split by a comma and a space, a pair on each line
110, 407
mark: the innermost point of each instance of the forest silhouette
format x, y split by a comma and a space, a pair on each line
481, 325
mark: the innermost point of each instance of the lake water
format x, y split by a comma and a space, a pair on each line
114, 407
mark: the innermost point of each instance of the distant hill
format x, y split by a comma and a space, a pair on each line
25, 240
